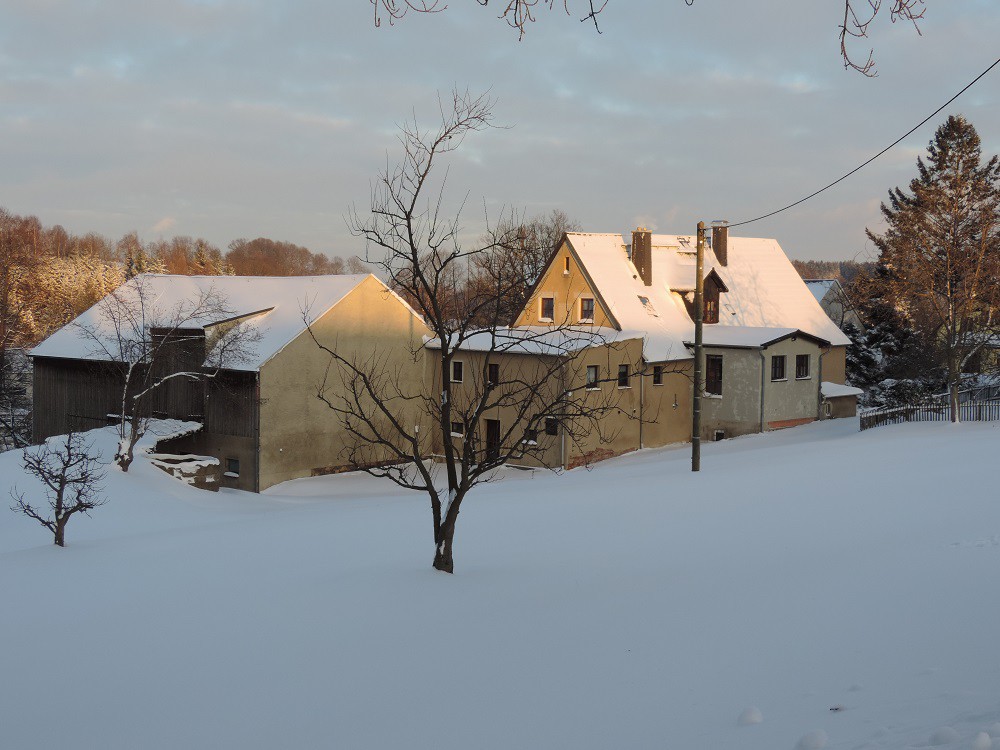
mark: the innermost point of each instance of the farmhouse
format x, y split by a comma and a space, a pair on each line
260, 415
768, 343
615, 316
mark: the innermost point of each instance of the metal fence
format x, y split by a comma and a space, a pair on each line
931, 411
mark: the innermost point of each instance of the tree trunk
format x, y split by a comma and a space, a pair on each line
443, 560
60, 531
954, 379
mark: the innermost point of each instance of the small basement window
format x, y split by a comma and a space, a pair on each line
457, 428
232, 467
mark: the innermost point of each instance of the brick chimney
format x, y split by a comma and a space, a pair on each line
720, 243
642, 254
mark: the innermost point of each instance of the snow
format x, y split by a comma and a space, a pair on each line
634, 605
276, 304
743, 336
836, 390
765, 291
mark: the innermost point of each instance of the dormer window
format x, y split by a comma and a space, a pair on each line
711, 309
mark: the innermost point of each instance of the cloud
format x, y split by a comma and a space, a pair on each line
164, 225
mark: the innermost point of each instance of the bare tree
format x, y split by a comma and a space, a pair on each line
528, 247
534, 380
70, 474
150, 347
519, 14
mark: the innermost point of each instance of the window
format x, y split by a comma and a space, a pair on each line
457, 428
778, 367
711, 311
593, 375
657, 374
232, 467
530, 436
623, 376
456, 371
713, 374
586, 309
551, 426
801, 365
548, 308
566, 265
493, 374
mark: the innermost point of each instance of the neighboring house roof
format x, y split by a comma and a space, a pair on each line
279, 307
821, 287
537, 340
764, 290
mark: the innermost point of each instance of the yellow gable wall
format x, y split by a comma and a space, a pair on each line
300, 435
566, 288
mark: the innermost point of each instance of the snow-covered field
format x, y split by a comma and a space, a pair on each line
831, 588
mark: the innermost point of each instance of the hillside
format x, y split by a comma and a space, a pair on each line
838, 586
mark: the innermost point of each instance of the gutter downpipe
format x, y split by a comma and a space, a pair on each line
763, 361
819, 389
642, 400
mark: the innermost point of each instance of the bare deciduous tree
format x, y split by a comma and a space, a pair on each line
148, 347
71, 475
518, 14
533, 380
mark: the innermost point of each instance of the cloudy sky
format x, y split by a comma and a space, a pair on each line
245, 118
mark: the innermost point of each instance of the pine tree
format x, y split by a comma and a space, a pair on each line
940, 253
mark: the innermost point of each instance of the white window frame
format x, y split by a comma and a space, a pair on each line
595, 384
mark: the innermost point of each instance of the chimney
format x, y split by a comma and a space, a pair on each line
720, 241
642, 254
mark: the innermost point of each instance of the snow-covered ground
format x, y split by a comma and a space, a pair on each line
816, 587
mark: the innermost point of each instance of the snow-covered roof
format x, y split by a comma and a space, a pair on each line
538, 340
744, 336
275, 306
835, 390
764, 290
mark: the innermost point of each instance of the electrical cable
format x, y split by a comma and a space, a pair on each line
865, 164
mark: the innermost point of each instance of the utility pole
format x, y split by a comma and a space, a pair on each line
699, 319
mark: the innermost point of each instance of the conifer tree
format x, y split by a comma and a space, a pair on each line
940, 252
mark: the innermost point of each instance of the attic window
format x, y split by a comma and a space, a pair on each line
647, 306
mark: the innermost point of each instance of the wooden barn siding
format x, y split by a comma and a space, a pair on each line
232, 404
72, 394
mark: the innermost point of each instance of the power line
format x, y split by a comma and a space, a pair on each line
865, 164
